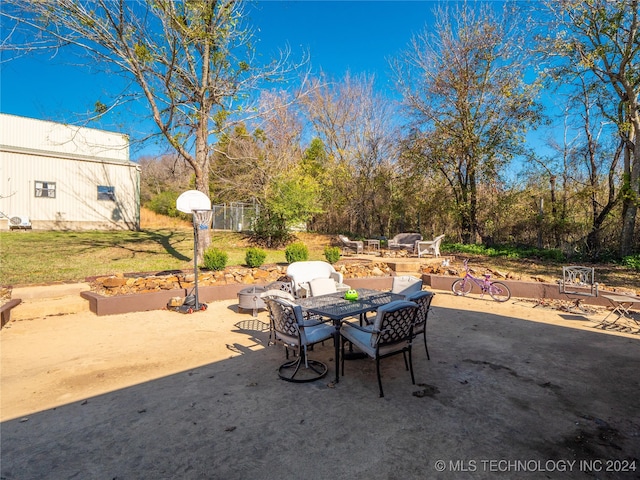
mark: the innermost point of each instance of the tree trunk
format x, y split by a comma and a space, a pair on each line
630, 198
201, 169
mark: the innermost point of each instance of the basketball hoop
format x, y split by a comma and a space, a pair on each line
199, 206
202, 219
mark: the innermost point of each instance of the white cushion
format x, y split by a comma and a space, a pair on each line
406, 284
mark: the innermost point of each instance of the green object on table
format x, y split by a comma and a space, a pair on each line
351, 295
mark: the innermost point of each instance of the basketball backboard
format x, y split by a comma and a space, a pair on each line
192, 200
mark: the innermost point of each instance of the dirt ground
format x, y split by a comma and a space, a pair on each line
511, 391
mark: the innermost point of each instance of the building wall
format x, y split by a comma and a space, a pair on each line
64, 177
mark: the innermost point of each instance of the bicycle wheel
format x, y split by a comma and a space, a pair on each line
499, 291
461, 287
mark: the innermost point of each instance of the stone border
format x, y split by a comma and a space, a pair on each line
141, 302
101, 305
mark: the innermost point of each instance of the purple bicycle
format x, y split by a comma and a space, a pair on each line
498, 290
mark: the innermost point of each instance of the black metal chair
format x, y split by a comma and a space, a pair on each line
423, 299
390, 334
275, 290
294, 332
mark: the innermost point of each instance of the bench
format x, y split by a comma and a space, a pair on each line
5, 310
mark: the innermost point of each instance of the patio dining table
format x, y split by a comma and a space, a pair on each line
335, 307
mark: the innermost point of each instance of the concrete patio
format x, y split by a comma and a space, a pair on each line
511, 391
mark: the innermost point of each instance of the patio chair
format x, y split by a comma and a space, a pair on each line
423, 299
430, 247
275, 292
578, 281
402, 285
389, 335
356, 246
322, 286
292, 331
406, 284
284, 292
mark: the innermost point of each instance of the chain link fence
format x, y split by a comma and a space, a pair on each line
236, 216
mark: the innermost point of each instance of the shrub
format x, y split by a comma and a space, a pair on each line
332, 254
165, 204
270, 230
215, 259
507, 251
255, 257
632, 262
296, 252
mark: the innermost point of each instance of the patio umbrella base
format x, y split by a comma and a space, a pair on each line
291, 371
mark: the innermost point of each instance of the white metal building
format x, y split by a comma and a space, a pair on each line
59, 177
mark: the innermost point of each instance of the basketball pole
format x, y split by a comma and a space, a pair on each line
195, 202
195, 256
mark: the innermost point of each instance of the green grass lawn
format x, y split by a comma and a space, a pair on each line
41, 257
37, 257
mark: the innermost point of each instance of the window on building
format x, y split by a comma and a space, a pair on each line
45, 189
106, 192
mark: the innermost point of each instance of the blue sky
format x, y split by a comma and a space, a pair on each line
341, 36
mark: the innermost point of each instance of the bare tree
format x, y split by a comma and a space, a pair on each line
355, 126
600, 41
192, 61
464, 89
246, 162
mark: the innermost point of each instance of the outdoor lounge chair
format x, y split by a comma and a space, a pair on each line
432, 247
356, 246
389, 335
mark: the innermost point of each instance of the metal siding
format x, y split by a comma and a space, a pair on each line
63, 139
76, 204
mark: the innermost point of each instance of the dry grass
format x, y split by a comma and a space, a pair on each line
151, 220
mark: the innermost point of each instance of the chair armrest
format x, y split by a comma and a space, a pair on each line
363, 328
337, 276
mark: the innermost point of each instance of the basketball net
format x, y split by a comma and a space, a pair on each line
202, 219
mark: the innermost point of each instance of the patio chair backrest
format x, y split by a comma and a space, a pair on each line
393, 323
423, 299
305, 271
286, 320
406, 284
579, 280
